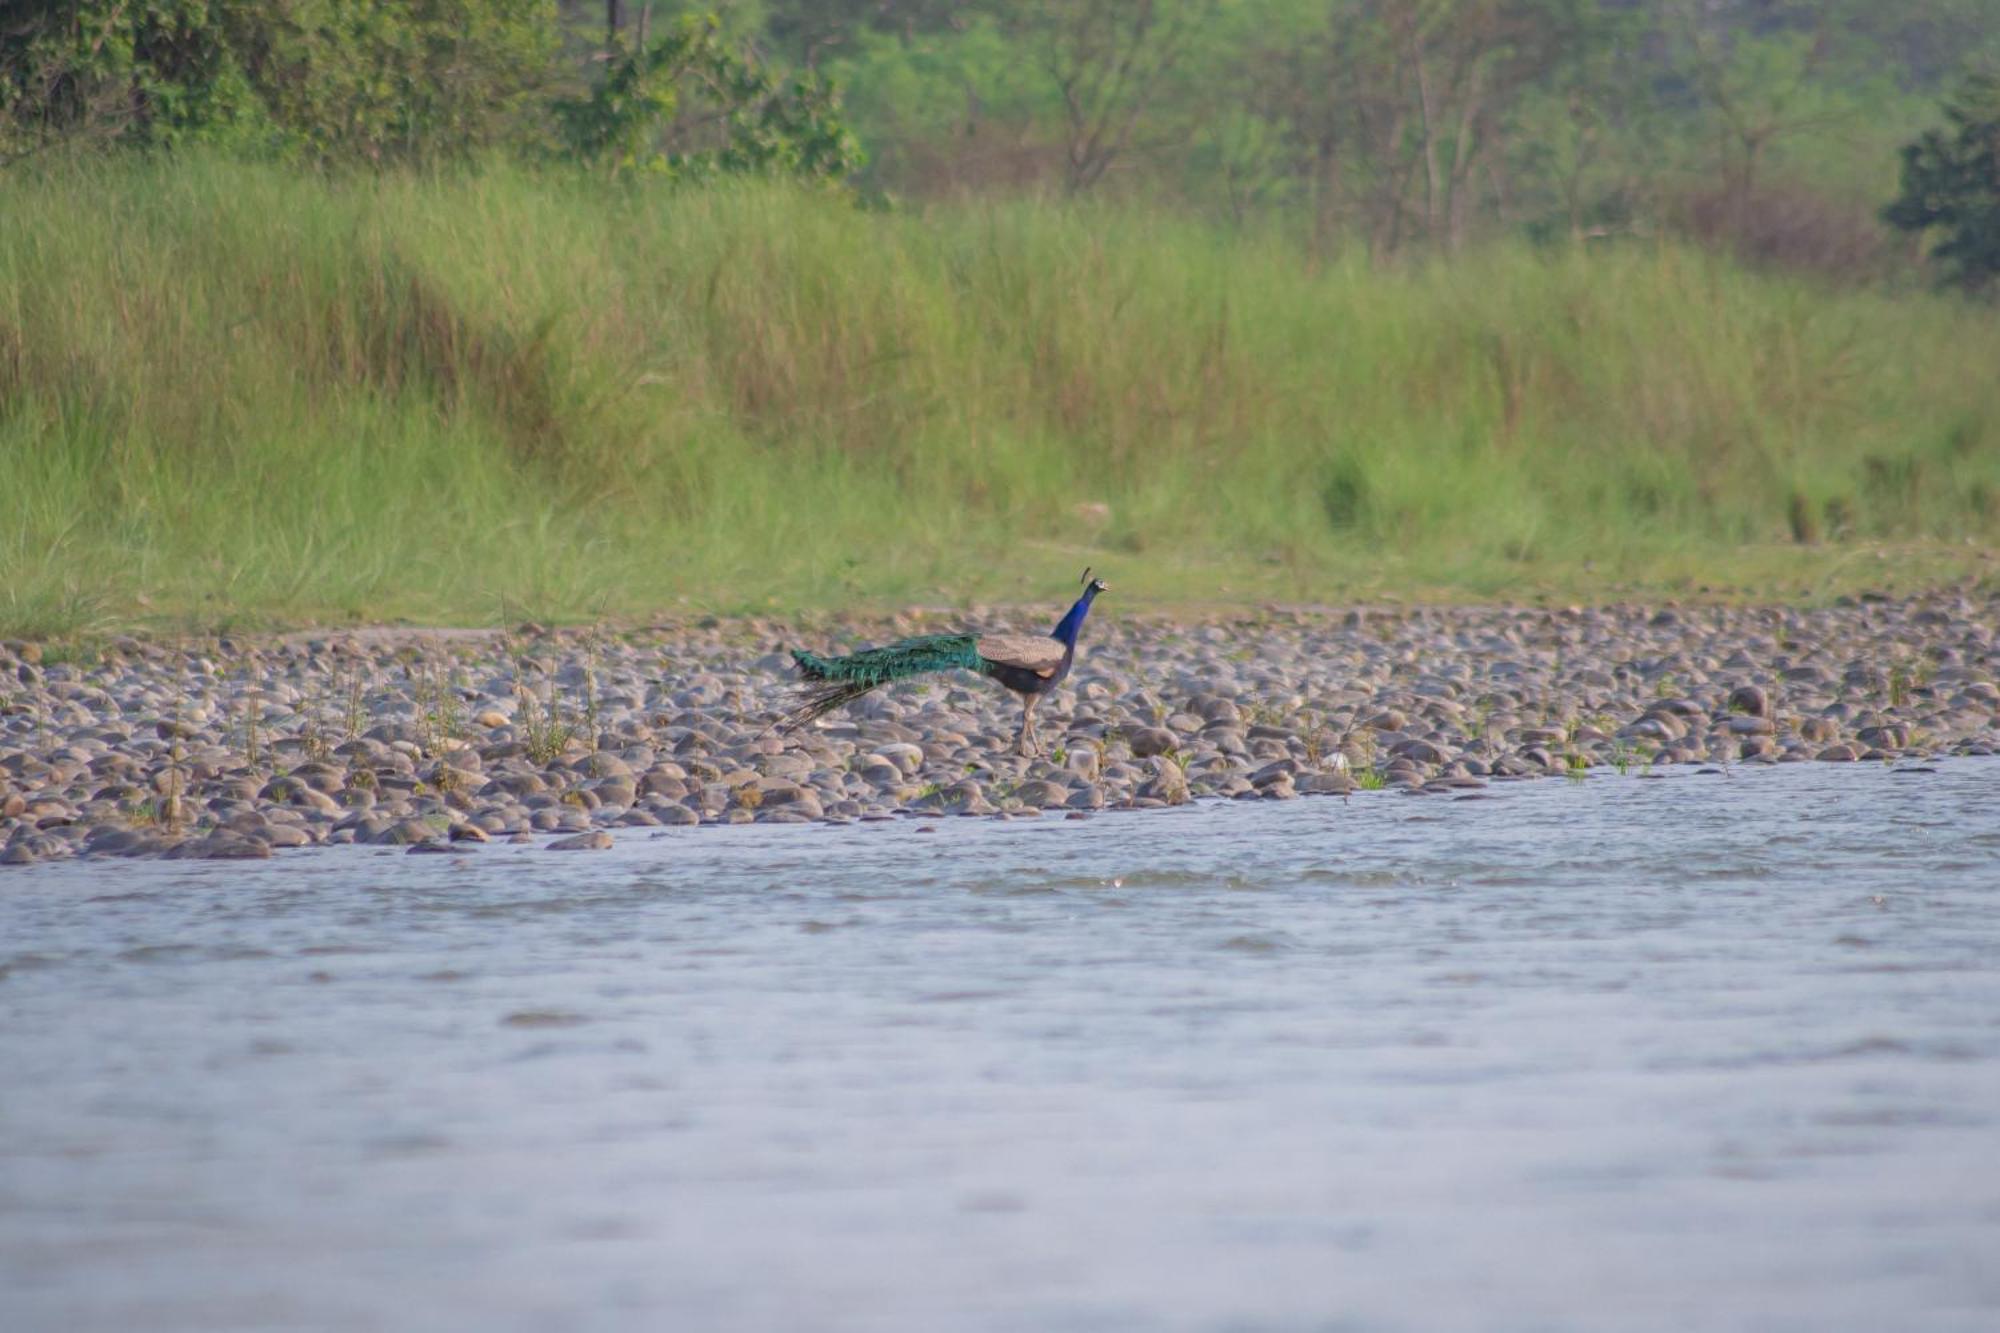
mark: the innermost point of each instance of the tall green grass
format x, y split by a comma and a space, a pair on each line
237, 392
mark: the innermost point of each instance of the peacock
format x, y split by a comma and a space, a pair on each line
1030, 665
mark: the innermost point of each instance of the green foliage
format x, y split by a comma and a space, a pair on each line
156, 71
1764, 125
420, 80
1951, 186
363, 80
388, 81
692, 105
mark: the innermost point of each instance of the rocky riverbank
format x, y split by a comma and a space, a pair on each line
442, 741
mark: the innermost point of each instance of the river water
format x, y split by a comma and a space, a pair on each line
1713, 1051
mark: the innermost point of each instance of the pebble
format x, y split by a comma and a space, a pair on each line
451, 738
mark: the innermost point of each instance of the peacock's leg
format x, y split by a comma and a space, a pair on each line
1027, 743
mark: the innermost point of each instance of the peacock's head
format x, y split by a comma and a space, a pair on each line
1092, 585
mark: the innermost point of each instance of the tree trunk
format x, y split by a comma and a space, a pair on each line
1325, 182
1433, 178
1466, 152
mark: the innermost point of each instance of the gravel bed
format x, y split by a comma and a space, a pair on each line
227, 748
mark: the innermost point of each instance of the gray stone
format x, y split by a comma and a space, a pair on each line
221, 846
1168, 784
1090, 796
1750, 699
1041, 794
402, 832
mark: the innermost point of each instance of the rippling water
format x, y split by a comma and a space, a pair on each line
1706, 1052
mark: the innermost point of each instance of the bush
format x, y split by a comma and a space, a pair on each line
330, 79
387, 81
694, 106
1951, 185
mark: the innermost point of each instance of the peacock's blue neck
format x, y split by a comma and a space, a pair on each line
1066, 628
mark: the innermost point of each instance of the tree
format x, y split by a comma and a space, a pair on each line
1400, 112
1758, 90
366, 79
1108, 61
690, 104
1951, 186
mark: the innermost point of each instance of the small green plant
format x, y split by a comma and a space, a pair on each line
545, 731
1370, 779
1575, 766
440, 719
356, 719
1315, 739
312, 732
252, 736
1899, 683
1264, 715
72, 652
172, 807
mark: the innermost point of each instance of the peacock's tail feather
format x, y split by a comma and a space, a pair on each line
905, 657
817, 701
831, 682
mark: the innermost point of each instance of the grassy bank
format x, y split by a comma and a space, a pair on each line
238, 393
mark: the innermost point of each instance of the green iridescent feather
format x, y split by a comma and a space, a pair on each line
905, 657
834, 681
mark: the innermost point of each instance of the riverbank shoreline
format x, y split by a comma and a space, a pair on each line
236, 747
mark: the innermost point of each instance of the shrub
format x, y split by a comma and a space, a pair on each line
1951, 186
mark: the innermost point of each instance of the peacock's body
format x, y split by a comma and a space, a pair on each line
1030, 665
